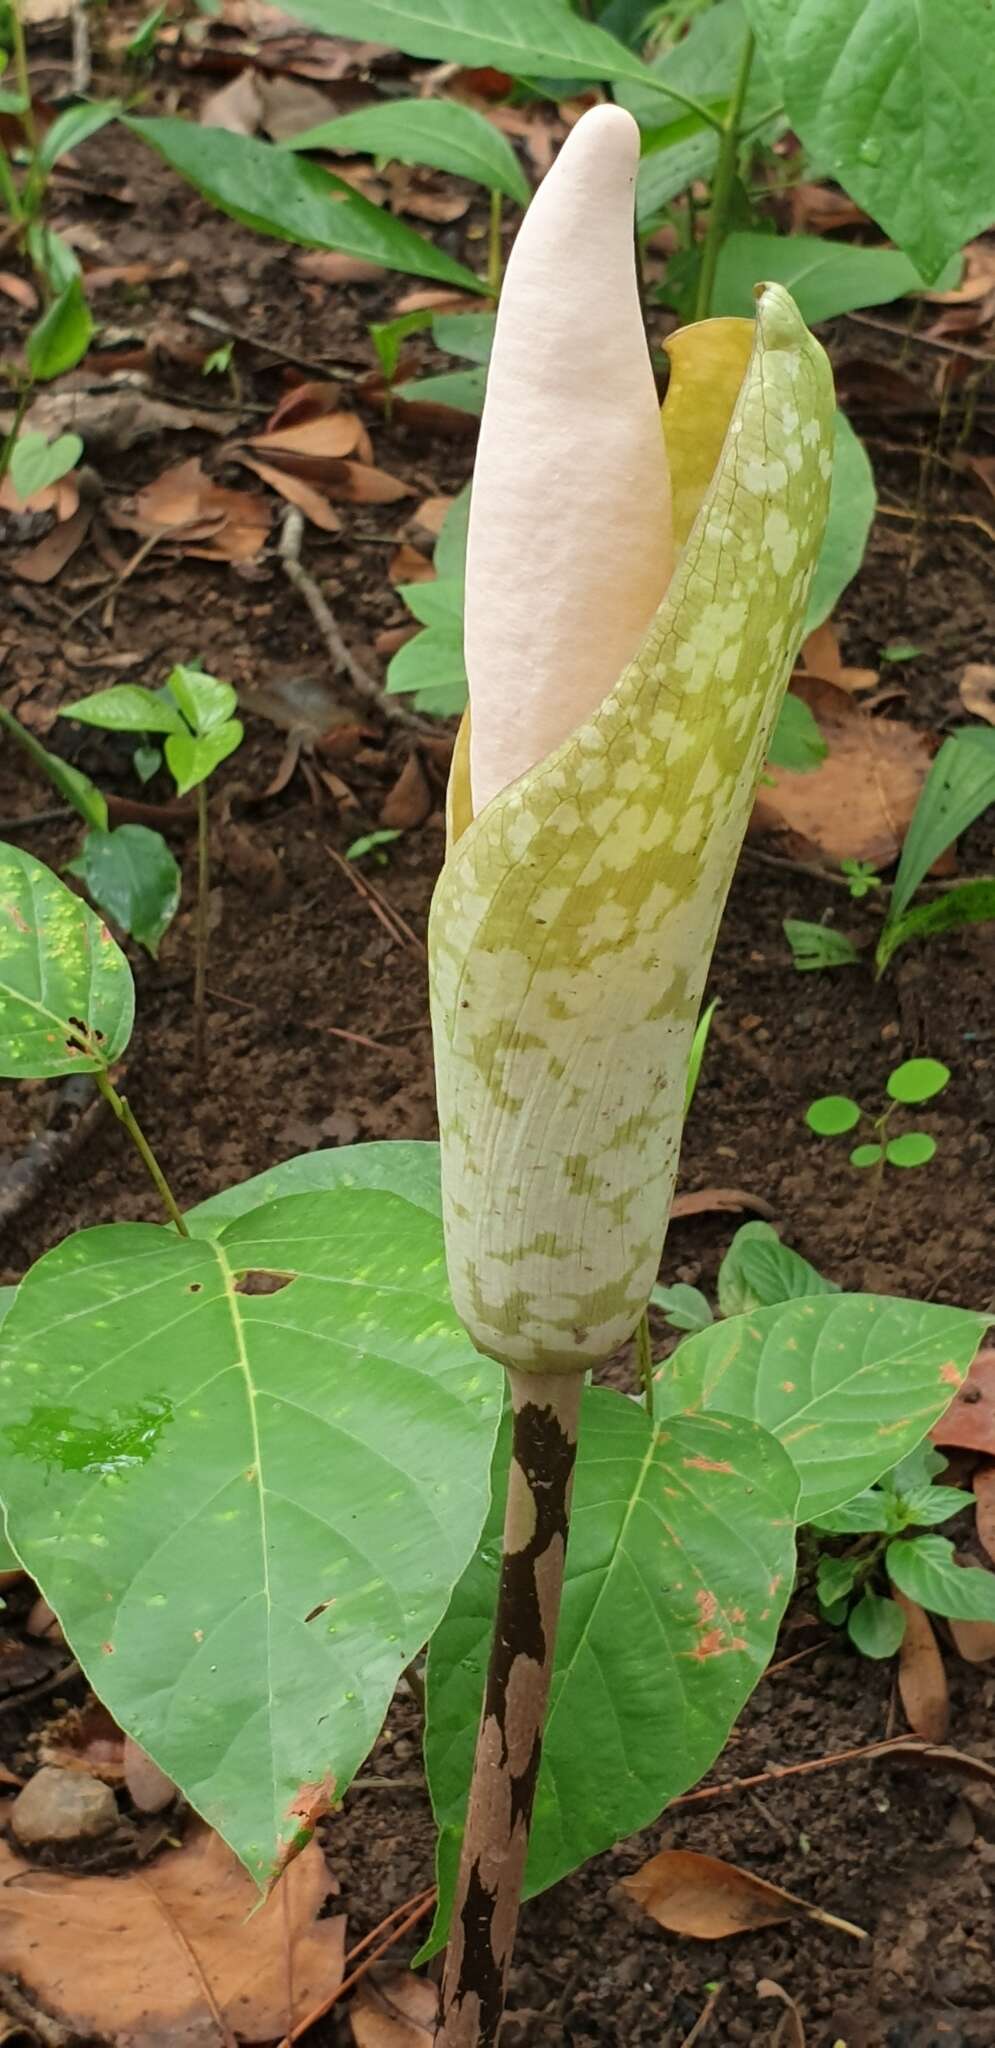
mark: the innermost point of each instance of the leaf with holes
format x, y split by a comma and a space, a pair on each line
247, 1508
848, 1383
67, 1000
679, 1565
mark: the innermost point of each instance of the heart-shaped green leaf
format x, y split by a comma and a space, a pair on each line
248, 1508
133, 878
36, 462
67, 1000
848, 1383
679, 1565
191, 760
205, 702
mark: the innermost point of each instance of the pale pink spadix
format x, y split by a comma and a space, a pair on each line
569, 550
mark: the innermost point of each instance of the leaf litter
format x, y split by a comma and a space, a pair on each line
180, 1947
858, 802
703, 1896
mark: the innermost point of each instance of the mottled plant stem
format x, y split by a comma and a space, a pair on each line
509, 1742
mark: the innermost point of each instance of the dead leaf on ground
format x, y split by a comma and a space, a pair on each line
179, 1943
333, 266
198, 516
432, 513
790, 2030
977, 690
410, 801
237, 106
984, 1494
43, 562
112, 419
62, 497
435, 298
423, 197
817, 209
311, 440
293, 488
922, 1682
706, 1201
103, 275
291, 105
974, 1640
18, 289
969, 1423
399, 2012
858, 802
978, 279
702, 1896
820, 657
408, 565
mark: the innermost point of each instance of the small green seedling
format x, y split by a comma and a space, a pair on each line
36, 463
831, 1116
856, 1587
194, 712
218, 363
861, 877
901, 650
372, 844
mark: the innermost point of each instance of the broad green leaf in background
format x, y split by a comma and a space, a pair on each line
848, 1383
971, 903
52, 255
680, 147
528, 38
125, 707
205, 702
852, 504
270, 189
191, 760
435, 604
462, 389
36, 461
959, 786
814, 946
868, 1513
67, 1000
679, 1565
431, 666
887, 96
796, 741
72, 127
60, 339
683, 1307
758, 1271
71, 783
450, 548
441, 133
924, 1568
470, 335
403, 1166
824, 278
248, 1508
876, 1625
132, 877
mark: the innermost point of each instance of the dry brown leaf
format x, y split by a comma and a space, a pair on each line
364, 485
858, 802
237, 106
707, 1200
393, 637
969, 1423
399, 2012
62, 497
974, 1640
820, 657
435, 298
922, 1681
817, 209
323, 436
110, 421
984, 1493
333, 266
408, 565
18, 289
978, 279
200, 516
163, 1953
49, 555
977, 690
420, 196
309, 501
289, 106
432, 512
789, 2031
410, 801
106, 274
702, 1896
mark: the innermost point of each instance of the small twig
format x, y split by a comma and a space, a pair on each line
110, 590
343, 660
26, 824
25, 1179
45, 1685
703, 2019
420, 1907
82, 71
269, 348
773, 1777
397, 926
404, 1782
940, 518
785, 1663
906, 334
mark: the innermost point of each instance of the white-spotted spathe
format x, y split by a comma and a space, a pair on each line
574, 919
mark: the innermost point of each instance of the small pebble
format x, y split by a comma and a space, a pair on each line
65, 1807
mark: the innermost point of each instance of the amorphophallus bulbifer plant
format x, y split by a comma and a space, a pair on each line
634, 602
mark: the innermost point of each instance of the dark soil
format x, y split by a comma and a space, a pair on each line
299, 956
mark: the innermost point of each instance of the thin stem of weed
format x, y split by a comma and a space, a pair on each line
201, 932
725, 175
495, 254
126, 1116
23, 398
26, 115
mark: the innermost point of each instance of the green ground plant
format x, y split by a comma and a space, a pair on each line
913, 1082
